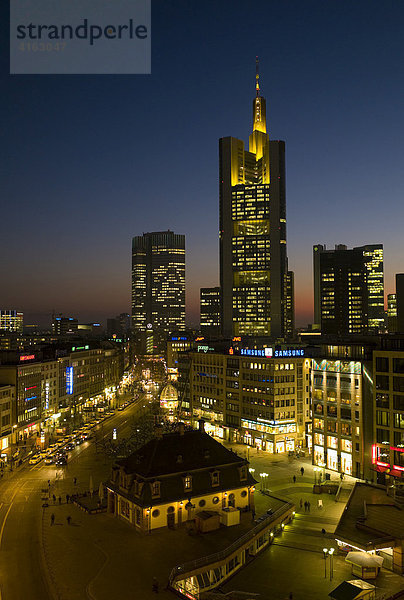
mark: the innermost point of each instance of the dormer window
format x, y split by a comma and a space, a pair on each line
137, 487
187, 482
179, 458
155, 489
215, 478
243, 473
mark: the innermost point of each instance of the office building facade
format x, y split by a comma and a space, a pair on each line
251, 396
342, 399
400, 301
349, 289
391, 313
158, 288
210, 311
388, 418
253, 258
11, 321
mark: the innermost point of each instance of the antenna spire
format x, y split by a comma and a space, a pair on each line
257, 76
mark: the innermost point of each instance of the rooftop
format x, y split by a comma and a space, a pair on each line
178, 453
370, 519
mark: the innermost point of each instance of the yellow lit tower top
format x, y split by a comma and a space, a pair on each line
259, 139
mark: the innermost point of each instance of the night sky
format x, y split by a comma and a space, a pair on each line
90, 161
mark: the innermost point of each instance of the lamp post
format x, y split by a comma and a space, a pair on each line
331, 554
328, 552
263, 476
325, 554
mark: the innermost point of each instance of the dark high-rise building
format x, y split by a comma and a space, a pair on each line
120, 326
158, 287
210, 311
391, 313
253, 259
348, 289
64, 325
400, 301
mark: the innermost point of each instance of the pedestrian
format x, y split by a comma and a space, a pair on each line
291, 596
301, 502
52, 519
308, 506
253, 514
54, 498
323, 531
302, 471
67, 498
60, 499
68, 519
305, 506
294, 478
155, 586
75, 480
48, 482
257, 449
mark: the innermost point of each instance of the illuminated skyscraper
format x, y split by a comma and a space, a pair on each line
349, 289
11, 320
158, 287
210, 311
254, 277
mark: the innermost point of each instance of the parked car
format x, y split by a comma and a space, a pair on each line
50, 459
69, 447
61, 462
34, 460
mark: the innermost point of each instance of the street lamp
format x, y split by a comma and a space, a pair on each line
263, 476
328, 552
325, 554
331, 553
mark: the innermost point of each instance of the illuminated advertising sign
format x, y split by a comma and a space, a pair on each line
27, 357
288, 353
69, 380
264, 352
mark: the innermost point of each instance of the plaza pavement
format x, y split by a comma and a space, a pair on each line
101, 557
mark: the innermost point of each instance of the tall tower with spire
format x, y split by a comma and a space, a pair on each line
256, 287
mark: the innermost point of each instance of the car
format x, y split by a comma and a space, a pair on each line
61, 462
34, 460
80, 440
50, 459
69, 447
53, 446
43, 453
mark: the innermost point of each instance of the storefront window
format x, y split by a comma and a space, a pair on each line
318, 424
332, 460
290, 444
280, 447
346, 463
319, 456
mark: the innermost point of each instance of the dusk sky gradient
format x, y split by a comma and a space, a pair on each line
90, 161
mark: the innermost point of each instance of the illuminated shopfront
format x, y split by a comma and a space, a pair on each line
318, 456
332, 459
346, 463
270, 436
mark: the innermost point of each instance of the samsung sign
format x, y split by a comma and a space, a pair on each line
266, 352
270, 353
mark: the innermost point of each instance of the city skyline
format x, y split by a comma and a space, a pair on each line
76, 167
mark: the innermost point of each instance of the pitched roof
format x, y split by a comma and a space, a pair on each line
345, 591
179, 453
